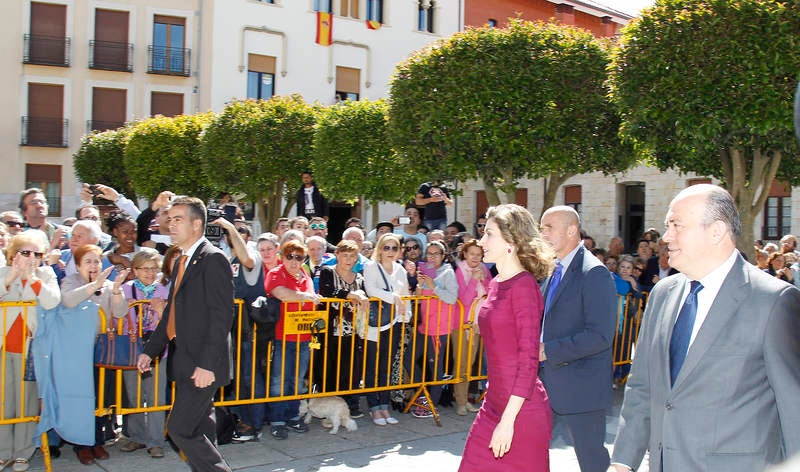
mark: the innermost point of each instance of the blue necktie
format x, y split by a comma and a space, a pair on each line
554, 281
682, 332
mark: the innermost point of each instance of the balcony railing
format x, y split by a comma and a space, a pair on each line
110, 55
98, 125
169, 61
46, 50
47, 132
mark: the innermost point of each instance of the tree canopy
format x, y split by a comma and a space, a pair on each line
495, 104
99, 159
707, 85
257, 147
162, 154
353, 157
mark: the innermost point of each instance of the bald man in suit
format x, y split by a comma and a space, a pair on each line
719, 393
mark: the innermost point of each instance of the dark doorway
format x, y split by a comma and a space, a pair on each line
339, 214
633, 216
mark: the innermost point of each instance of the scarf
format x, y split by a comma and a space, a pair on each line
147, 290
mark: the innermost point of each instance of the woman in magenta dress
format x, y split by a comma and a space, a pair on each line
513, 427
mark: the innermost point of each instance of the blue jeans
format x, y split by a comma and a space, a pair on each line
379, 363
254, 414
286, 353
438, 223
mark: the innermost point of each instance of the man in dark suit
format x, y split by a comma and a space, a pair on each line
198, 318
715, 381
577, 333
310, 201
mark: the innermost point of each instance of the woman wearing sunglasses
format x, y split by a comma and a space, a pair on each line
385, 280
293, 286
24, 278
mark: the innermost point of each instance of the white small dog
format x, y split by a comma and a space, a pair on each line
334, 409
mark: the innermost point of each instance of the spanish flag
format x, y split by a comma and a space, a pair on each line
373, 24
324, 28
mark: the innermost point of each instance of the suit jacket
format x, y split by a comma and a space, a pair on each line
734, 405
320, 202
578, 332
203, 318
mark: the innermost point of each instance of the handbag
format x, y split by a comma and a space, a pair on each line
266, 311
117, 351
380, 312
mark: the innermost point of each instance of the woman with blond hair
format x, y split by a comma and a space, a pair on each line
386, 280
24, 278
513, 427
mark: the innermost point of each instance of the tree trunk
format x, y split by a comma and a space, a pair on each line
551, 185
491, 192
261, 211
749, 187
374, 206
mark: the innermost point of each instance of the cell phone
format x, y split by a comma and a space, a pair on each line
403, 220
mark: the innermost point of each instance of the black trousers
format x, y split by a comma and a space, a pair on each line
192, 426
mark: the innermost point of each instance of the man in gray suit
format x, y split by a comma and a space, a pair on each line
716, 379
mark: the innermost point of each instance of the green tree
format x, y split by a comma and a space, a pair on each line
162, 154
99, 160
257, 147
499, 105
707, 85
353, 157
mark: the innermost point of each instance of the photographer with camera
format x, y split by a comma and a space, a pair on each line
102, 195
151, 224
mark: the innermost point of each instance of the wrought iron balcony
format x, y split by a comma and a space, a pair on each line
98, 125
168, 61
46, 50
110, 55
46, 132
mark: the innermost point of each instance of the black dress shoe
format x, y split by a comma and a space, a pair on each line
55, 451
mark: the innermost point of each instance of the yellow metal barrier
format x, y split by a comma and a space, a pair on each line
629, 319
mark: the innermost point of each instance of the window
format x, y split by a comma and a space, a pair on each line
47, 43
573, 196
322, 5
108, 109
348, 8
110, 49
260, 76
482, 203
348, 83
778, 211
168, 54
166, 104
425, 16
47, 178
45, 124
375, 10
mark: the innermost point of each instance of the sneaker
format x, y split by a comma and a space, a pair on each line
297, 426
472, 408
20, 465
156, 452
421, 412
355, 412
279, 431
243, 433
461, 410
130, 446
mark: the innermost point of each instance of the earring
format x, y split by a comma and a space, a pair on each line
508, 250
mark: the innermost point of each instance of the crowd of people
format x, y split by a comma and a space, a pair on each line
546, 301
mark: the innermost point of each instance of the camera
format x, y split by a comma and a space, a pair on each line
403, 220
214, 232
97, 196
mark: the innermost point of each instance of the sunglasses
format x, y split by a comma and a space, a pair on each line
14, 224
410, 248
318, 226
297, 257
480, 225
638, 268
27, 253
242, 230
390, 248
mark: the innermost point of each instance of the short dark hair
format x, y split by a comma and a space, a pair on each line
197, 209
24, 194
80, 209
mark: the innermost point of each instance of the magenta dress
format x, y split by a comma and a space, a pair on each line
510, 323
